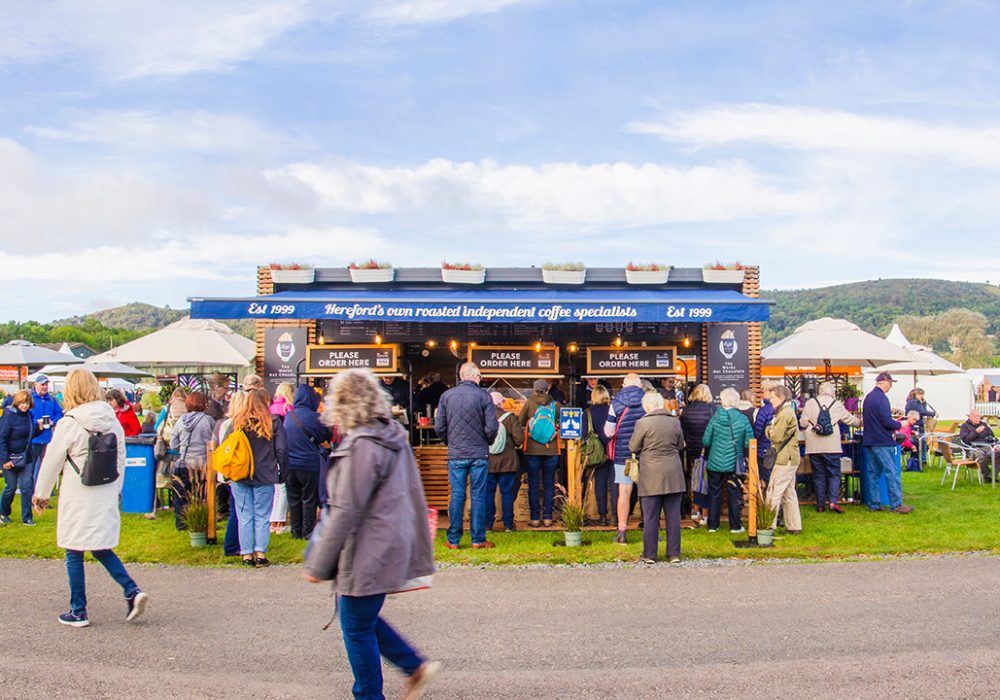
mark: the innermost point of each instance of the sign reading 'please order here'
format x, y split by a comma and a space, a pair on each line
327, 359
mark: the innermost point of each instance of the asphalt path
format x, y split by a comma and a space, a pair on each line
924, 628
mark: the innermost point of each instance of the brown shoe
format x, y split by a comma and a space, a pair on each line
903, 510
449, 545
534, 523
547, 523
483, 545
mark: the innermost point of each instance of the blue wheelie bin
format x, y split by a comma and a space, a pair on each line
140, 474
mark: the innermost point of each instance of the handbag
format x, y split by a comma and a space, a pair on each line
613, 441
741, 461
632, 468
700, 477
591, 449
771, 454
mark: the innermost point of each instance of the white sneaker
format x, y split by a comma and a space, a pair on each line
713, 530
417, 683
736, 532
136, 605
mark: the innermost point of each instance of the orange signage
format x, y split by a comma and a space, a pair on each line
766, 371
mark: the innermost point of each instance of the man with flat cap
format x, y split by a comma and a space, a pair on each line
879, 443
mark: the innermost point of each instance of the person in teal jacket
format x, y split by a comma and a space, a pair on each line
727, 437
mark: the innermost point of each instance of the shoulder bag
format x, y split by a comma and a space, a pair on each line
771, 454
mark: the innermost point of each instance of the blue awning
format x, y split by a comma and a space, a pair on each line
494, 306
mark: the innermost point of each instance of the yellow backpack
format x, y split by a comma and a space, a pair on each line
234, 458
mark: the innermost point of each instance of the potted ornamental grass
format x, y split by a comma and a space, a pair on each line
723, 273
195, 513
462, 273
572, 517
766, 514
371, 271
292, 273
648, 273
564, 273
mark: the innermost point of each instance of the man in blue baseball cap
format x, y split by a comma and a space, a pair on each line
879, 442
46, 412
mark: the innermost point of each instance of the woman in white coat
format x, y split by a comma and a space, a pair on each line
88, 517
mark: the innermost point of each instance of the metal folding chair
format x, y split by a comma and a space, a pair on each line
956, 458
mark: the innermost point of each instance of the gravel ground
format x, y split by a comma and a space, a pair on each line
913, 627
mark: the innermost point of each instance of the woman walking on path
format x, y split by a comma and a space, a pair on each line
254, 497
88, 517
375, 538
16, 431
659, 441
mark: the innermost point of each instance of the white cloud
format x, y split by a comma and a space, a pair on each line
196, 131
554, 195
429, 11
813, 129
129, 40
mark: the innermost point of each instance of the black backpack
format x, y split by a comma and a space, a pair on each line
101, 466
824, 425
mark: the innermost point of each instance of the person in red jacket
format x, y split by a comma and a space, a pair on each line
123, 412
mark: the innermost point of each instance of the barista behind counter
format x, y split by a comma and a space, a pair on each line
398, 390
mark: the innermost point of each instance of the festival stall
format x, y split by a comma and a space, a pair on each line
517, 324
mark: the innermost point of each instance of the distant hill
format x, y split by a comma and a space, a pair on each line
136, 316
875, 305
144, 318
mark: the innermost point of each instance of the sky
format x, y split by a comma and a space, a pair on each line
156, 150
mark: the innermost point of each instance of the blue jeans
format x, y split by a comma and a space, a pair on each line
506, 482
541, 467
367, 637
18, 479
78, 581
253, 507
882, 460
231, 542
37, 455
460, 472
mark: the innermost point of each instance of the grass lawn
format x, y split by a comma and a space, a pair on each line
944, 521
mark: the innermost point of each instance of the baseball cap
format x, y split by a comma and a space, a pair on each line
40, 378
884, 377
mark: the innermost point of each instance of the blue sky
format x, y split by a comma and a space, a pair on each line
152, 151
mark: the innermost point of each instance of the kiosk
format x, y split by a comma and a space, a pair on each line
514, 325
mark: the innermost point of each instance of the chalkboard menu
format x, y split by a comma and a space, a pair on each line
330, 359
494, 360
615, 360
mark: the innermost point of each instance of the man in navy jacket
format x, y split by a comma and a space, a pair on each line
467, 422
45, 412
306, 437
879, 442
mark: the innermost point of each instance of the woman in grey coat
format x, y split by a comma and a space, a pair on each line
374, 539
658, 441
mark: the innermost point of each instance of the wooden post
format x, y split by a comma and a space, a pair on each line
210, 484
575, 491
753, 478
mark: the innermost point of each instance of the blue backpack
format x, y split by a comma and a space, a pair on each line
542, 426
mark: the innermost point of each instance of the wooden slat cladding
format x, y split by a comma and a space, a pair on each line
265, 285
433, 464
751, 288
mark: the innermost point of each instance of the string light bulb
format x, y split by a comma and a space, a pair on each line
322, 341
573, 347
431, 343
378, 339
453, 345
618, 342
538, 346
686, 342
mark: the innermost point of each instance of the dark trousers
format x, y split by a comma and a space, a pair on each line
303, 498
506, 482
542, 477
717, 481
180, 484
231, 543
603, 476
367, 638
18, 479
826, 478
670, 505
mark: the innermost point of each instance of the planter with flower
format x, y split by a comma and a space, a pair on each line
651, 273
371, 271
293, 273
564, 273
462, 273
724, 273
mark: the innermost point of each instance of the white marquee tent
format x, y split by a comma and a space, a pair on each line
195, 344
